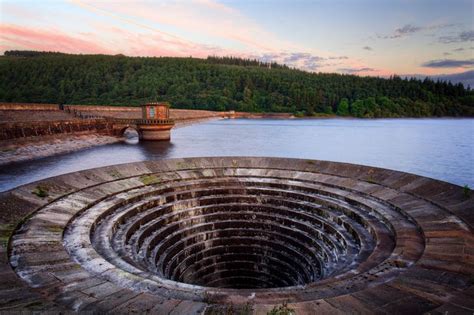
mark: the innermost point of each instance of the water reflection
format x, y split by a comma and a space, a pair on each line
156, 150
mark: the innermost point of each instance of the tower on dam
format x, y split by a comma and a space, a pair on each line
155, 123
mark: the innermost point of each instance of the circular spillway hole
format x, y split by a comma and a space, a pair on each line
223, 231
236, 246
238, 233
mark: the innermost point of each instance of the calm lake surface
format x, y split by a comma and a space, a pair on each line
437, 148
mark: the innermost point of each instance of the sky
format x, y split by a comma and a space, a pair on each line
364, 37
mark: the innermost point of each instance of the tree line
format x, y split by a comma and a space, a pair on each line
221, 83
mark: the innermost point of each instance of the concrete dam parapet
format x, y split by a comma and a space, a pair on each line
200, 235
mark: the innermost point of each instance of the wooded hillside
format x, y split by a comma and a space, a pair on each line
221, 84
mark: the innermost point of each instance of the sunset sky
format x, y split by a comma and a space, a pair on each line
366, 37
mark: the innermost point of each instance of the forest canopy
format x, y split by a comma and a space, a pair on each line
221, 83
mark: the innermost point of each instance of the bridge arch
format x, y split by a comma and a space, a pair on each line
123, 129
120, 128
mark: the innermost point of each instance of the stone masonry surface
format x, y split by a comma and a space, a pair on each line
205, 235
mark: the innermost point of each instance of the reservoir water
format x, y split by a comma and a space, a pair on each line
438, 148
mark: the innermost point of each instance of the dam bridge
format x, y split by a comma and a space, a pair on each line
152, 121
155, 124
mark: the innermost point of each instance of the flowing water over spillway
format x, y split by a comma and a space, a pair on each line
437, 148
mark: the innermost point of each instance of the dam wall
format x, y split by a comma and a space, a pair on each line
31, 120
23, 111
33, 129
136, 112
28, 106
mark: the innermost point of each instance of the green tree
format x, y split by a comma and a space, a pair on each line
358, 108
343, 108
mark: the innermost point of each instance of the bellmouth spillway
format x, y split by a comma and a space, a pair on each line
195, 235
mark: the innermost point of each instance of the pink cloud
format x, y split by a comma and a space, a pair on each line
48, 40
208, 19
199, 17
109, 39
105, 40
112, 38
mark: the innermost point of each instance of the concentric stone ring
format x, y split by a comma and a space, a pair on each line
199, 234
